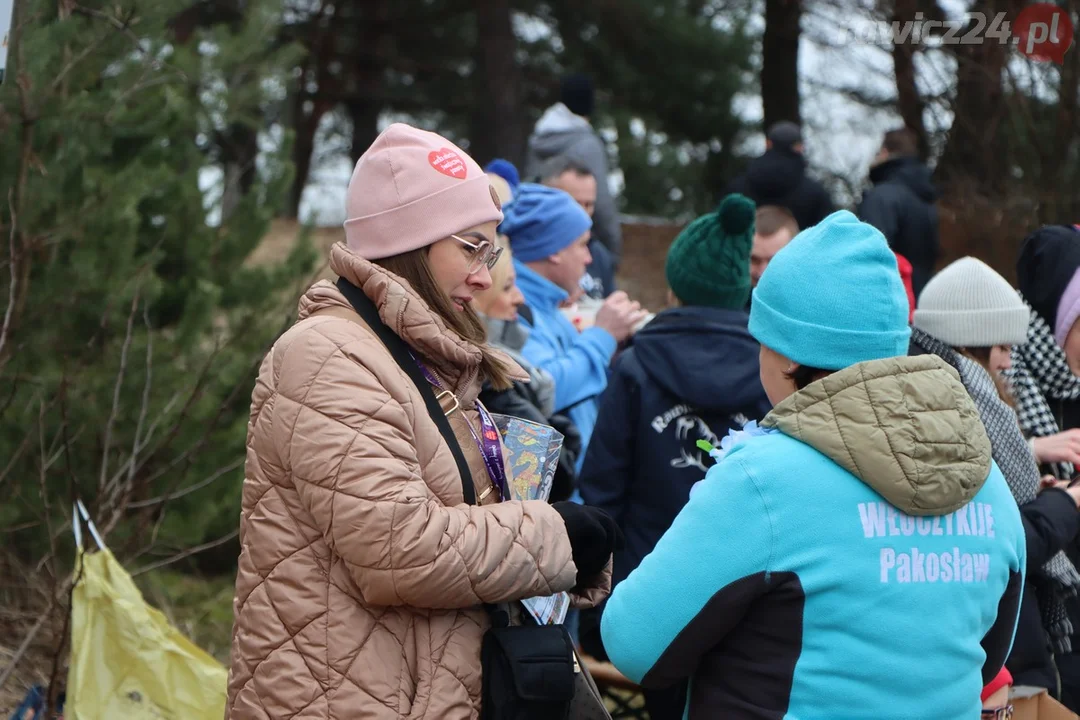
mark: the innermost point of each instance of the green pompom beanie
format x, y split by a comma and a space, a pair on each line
709, 262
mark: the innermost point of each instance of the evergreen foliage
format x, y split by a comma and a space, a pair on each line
135, 328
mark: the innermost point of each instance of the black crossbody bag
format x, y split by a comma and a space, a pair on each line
530, 672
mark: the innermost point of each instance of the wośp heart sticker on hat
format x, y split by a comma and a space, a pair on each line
418, 180
448, 163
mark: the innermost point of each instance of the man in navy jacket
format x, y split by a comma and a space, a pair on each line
690, 374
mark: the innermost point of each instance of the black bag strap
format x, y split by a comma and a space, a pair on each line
366, 309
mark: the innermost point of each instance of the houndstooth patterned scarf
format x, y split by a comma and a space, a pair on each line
1017, 464
1040, 372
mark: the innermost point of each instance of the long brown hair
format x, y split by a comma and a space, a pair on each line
414, 268
981, 355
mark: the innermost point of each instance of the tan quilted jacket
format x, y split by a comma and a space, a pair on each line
905, 426
361, 568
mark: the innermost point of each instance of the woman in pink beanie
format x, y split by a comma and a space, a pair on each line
367, 555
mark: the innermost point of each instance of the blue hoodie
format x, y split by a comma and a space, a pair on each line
860, 557
666, 393
577, 360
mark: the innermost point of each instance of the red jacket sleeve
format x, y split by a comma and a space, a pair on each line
905, 276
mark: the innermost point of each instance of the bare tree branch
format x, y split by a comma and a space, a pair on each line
45, 504
86, 52
146, 391
107, 444
25, 645
5, 330
186, 554
116, 490
189, 489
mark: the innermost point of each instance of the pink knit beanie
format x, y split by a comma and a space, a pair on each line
413, 188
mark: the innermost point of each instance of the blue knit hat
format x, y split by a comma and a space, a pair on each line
833, 297
506, 170
540, 221
709, 262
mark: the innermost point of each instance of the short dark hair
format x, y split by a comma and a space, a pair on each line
576, 93
555, 167
784, 135
803, 375
901, 141
771, 219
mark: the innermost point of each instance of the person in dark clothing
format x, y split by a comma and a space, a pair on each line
534, 401
783, 589
1044, 371
970, 316
1051, 521
778, 177
902, 204
574, 178
691, 374
1044, 382
565, 130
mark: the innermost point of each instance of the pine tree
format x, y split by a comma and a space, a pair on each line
133, 324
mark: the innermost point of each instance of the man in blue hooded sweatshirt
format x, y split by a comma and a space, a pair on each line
549, 235
690, 374
859, 555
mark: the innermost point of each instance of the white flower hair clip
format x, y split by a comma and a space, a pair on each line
733, 439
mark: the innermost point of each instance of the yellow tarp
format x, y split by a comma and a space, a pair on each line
127, 661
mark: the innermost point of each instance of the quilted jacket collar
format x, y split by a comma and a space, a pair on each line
905, 426
453, 359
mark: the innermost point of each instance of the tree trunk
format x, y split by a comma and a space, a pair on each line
973, 161
1060, 204
305, 124
365, 125
498, 122
909, 102
780, 61
240, 148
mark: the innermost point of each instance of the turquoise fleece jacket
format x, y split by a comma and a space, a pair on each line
860, 556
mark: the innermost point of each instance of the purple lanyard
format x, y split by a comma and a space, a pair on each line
488, 441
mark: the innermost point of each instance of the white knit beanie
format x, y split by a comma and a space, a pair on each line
967, 304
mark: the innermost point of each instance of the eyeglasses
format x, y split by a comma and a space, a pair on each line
1005, 712
483, 253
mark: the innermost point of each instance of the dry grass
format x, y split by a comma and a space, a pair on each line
282, 238
641, 273
35, 665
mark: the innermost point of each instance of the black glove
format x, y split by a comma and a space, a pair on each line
594, 536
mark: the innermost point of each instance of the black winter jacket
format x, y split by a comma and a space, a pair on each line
1051, 522
690, 374
779, 178
902, 205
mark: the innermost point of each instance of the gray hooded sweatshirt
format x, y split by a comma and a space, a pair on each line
560, 132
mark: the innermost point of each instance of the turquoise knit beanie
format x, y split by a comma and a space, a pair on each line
833, 297
709, 262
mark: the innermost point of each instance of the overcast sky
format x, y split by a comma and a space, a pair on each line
837, 51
